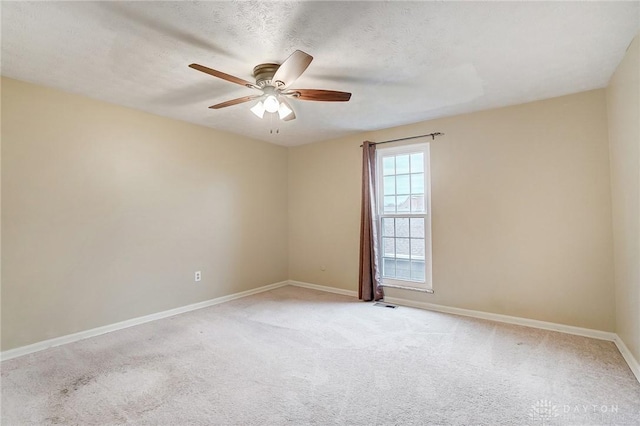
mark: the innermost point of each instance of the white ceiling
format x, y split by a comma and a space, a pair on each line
404, 62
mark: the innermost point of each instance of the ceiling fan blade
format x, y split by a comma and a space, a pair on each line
235, 101
321, 95
222, 75
292, 68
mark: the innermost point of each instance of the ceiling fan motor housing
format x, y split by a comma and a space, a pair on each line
264, 74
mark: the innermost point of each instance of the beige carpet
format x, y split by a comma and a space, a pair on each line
296, 356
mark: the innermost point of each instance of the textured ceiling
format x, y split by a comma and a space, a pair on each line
403, 61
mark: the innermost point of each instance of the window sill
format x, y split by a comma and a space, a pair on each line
404, 287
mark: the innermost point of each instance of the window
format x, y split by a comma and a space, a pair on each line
404, 215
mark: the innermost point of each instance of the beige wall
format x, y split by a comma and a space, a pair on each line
623, 105
521, 211
107, 212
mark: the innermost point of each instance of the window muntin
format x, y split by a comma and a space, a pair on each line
404, 219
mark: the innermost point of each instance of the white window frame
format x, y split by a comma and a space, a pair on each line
427, 285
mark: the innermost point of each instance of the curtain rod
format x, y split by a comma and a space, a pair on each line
433, 137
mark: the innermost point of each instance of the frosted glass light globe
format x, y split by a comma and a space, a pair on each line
271, 104
258, 109
284, 111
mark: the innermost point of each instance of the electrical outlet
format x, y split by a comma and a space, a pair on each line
198, 275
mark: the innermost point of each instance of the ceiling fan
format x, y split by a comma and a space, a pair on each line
274, 81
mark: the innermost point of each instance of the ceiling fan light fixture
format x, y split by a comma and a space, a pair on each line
258, 109
271, 104
284, 111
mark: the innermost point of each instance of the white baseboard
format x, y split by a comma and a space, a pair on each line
569, 329
628, 356
562, 328
69, 338
597, 334
324, 288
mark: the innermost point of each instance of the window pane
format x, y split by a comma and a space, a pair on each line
390, 204
402, 164
402, 227
403, 203
388, 247
417, 249
388, 165
387, 227
417, 204
403, 269
402, 248
388, 268
417, 227
403, 184
417, 270
417, 163
417, 183
389, 185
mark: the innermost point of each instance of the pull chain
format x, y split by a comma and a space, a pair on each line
271, 120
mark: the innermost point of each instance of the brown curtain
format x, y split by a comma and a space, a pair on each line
369, 282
